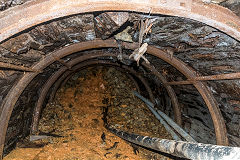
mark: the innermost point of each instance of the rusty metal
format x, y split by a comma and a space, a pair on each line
218, 121
65, 77
44, 91
14, 93
134, 81
144, 82
17, 19
16, 67
60, 82
163, 121
65, 81
55, 76
64, 63
171, 93
207, 78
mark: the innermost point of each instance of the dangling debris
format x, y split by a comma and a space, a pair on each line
138, 53
144, 29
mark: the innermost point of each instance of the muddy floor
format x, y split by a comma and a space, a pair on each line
77, 117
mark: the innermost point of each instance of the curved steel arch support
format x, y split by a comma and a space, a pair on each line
170, 91
13, 95
218, 121
60, 82
79, 63
20, 18
66, 76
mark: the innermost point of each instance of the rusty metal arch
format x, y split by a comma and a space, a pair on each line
170, 91
17, 19
13, 95
190, 73
68, 74
76, 64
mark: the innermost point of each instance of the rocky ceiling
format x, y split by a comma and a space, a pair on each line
207, 50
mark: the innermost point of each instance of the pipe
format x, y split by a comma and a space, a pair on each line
189, 150
167, 127
170, 90
166, 118
176, 127
207, 95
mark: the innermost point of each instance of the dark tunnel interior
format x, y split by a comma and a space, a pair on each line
72, 76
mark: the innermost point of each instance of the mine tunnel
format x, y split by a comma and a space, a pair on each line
88, 59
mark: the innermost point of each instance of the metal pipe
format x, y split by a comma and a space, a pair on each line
228, 76
166, 118
145, 100
176, 127
190, 73
171, 93
167, 127
189, 150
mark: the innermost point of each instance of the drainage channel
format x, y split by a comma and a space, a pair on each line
72, 126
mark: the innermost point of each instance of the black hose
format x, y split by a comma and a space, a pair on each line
189, 150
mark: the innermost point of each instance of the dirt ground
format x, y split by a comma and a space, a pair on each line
77, 117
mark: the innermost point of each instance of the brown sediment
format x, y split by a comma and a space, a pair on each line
77, 115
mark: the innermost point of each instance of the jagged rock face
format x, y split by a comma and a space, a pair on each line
27, 49
202, 47
209, 52
5, 4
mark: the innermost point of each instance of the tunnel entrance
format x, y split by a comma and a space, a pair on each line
73, 124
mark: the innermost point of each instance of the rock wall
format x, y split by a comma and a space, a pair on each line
202, 47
